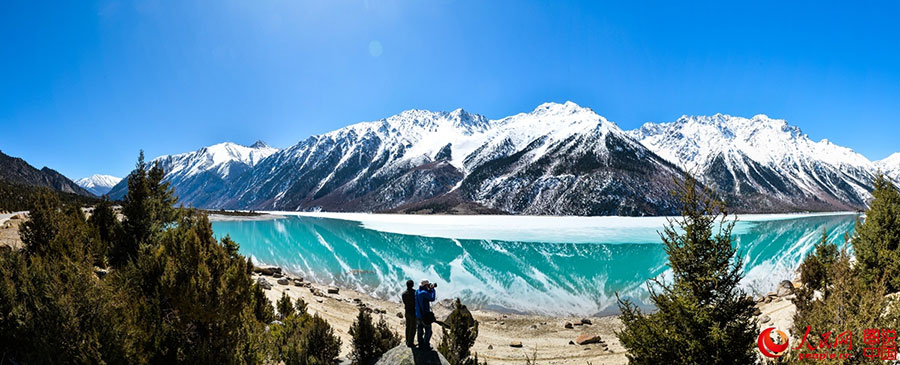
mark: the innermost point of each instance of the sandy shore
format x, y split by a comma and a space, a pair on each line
545, 336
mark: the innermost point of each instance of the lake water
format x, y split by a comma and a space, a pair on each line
545, 265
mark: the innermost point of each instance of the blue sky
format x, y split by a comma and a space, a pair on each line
85, 85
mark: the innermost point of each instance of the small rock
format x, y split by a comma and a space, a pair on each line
587, 348
768, 299
534, 326
100, 272
320, 300
357, 300
298, 282
760, 299
516, 344
757, 312
587, 339
765, 319
277, 275
571, 342
586, 321
490, 347
283, 281
502, 323
568, 325
333, 290
772, 294
399, 315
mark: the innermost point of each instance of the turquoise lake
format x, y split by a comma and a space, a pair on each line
544, 265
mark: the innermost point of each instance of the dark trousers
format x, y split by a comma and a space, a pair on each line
423, 333
410, 329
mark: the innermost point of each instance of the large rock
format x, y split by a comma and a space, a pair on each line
587, 339
785, 288
402, 355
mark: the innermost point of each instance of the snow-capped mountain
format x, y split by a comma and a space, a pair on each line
98, 184
557, 159
200, 176
890, 166
763, 164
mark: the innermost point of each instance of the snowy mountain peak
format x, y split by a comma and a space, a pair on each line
259, 144
98, 184
890, 166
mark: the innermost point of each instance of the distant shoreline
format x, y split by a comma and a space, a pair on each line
261, 216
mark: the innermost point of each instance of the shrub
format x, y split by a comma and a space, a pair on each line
460, 332
370, 341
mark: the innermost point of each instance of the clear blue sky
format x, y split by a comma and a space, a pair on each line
84, 85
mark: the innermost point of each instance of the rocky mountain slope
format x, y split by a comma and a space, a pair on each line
200, 177
763, 164
15, 170
559, 159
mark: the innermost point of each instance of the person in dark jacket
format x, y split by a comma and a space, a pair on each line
424, 317
409, 303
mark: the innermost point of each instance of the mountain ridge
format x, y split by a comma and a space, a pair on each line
559, 158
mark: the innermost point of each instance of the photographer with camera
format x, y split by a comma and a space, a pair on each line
424, 316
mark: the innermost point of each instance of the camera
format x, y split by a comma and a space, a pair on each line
433, 285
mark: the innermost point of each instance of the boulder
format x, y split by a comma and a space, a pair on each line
402, 355
516, 344
298, 282
568, 325
586, 321
757, 311
765, 318
283, 281
587, 339
277, 275
263, 283
785, 288
333, 290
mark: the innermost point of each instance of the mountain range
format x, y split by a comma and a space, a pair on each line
560, 159
15, 170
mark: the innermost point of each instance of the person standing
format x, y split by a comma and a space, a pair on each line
424, 316
409, 304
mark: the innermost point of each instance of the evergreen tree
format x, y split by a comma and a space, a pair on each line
262, 307
300, 307
43, 223
104, 221
368, 340
285, 307
876, 241
460, 333
148, 208
846, 303
702, 316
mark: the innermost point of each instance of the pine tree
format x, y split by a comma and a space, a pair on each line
876, 241
148, 208
702, 316
370, 341
300, 307
460, 333
285, 307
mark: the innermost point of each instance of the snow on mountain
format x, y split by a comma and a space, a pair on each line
560, 159
557, 159
200, 175
763, 162
890, 166
98, 184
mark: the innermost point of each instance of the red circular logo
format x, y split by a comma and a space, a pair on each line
768, 347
